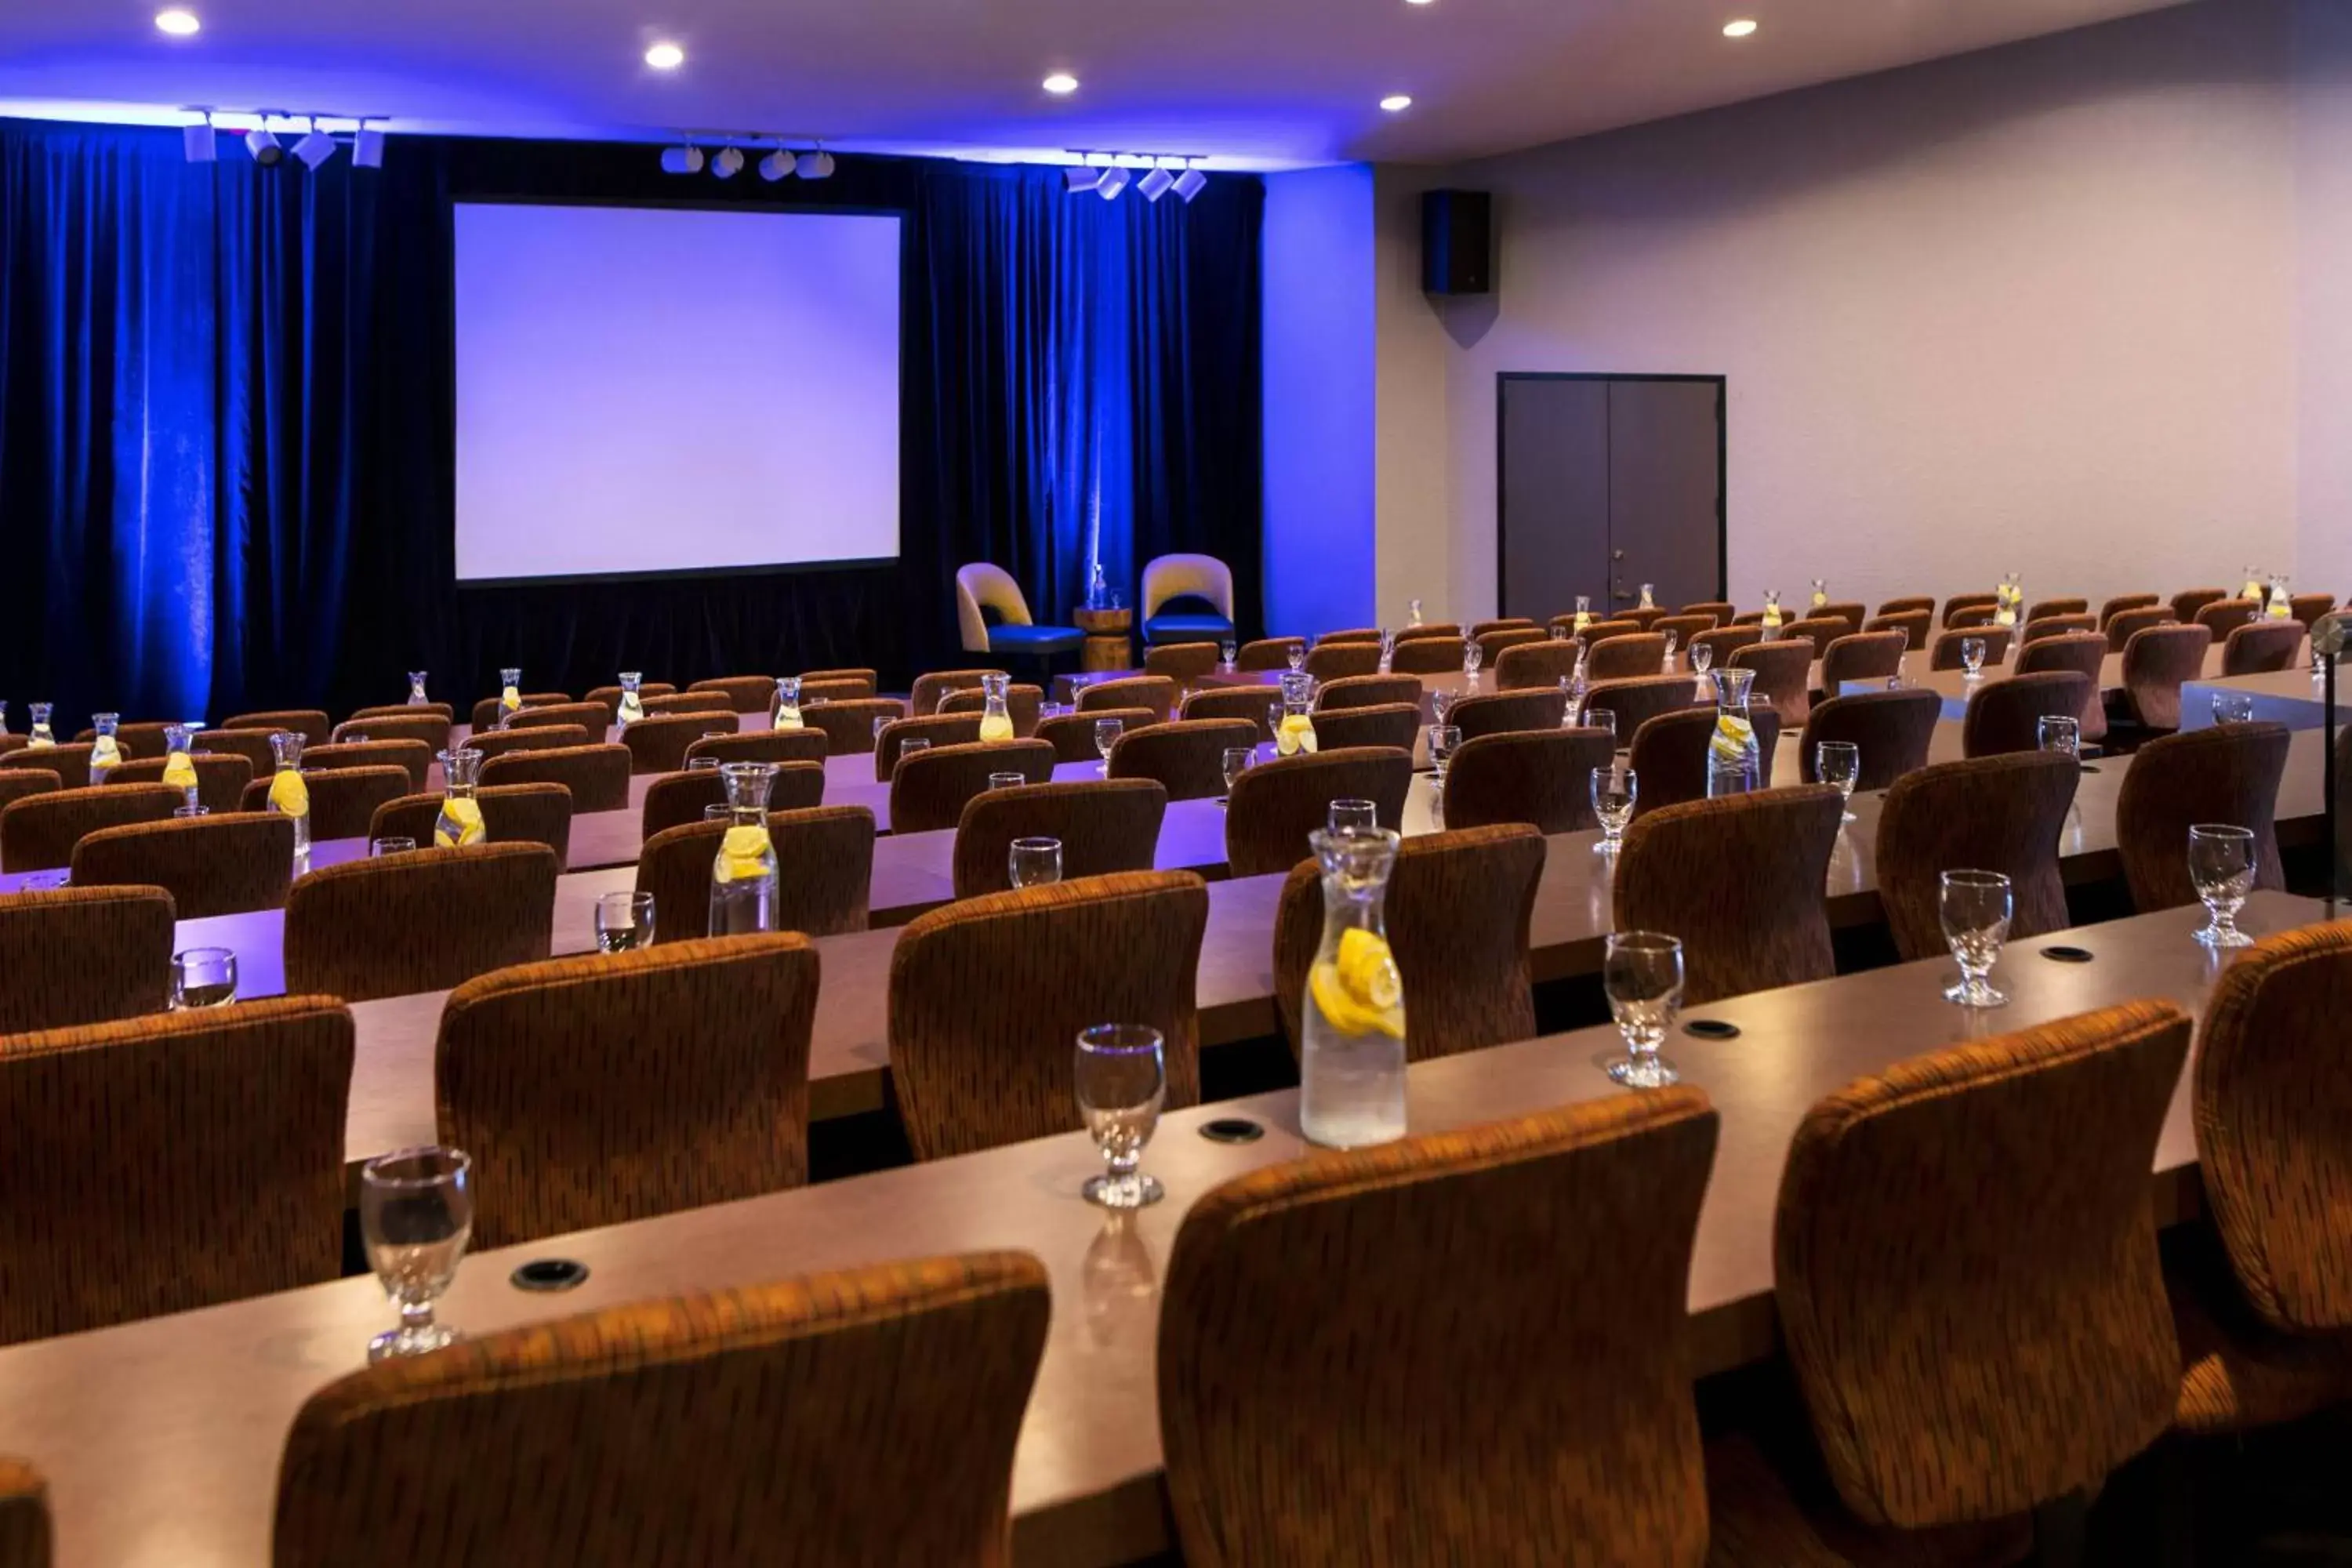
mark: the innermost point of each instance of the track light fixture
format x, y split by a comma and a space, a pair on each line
1082, 178
817, 165
728, 163
687, 159
197, 141
1154, 184
1114, 179
1190, 184
200, 139
263, 146
1106, 174
777, 165
315, 148
367, 147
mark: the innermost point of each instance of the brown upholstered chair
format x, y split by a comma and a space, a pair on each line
511, 813
848, 727
657, 746
2123, 625
597, 776
2056, 627
39, 832
1853, 612
1784, 676
778, 746
1072, 735
1274, 805
1186, 759
162, 1164
1298, 1428
1947, 652
924, 699
253, 745
1367, 692
748, 693
15, 783
487, 713
1105, 826
24, 1534
2121, 602
1427, 655
543, 738
1496, 712
1914, 625
1959, 602
69, 762
600, 1089
787, 1423
589, 716
1502, 624
675, 703
1394, 724
2006, 715
829, 849
311, 723
410, 757
1721, 609
1971, 617
2225, 615
1668, 753
1268, 653
2045, 608
1183, 662
609, 697
2307, 608
1727, 640
2085, 653
678, 799
861, 675
1742, 881
2156, 661
343, 801
1330, 659
1683, 628
1492, 643
988, 996
930, 789
1637, 702
1533, 665
84, 955
2261, 647
221, 865
1542, 777
2229, 773
430, 728
423, 920
2266, 1340
1459, 904
1870, 657
1625, 658
1998, 814
1438, 630
1243, 702
1818, 630
2186, 603
1948, 1391
1022, 703
1891, 729
818, 693
136, 741
1908, 605
406, 710
221, 777
1156, 692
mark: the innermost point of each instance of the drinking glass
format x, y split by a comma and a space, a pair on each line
1296, 657
1121, 1081
722, 812
1902, 675
1601, 719
697, 764
1702, 656
1615, 792
910, 745
203, 977
416, 1213
1471, 656
191, 811
1673, 639
363, 739
1237, 761
1972, 656
2233, 707
625, 922
1975, 907
1641, 972
1838, 762
1225, 652
1441, 704
392, 844
1033, 862
1007, 781
1444, 740
1107, 735
1353, 816
881, 723
2221, 864
2057, 733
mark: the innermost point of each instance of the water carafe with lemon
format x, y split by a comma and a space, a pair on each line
1735, 765
787, 715
416, 698
510, 695
179, 768
632, 706
105, 751
1772, 614
1295, 733
995, 719
42, 736
1352, 1050
460, 822
743, 876
289, 796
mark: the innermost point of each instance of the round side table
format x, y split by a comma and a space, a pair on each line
1106, 644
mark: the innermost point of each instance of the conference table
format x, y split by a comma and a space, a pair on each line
2293, 697
161, 1439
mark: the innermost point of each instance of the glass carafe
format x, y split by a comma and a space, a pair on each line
1573, 686
743, 876
1734, 763
1351, 1049
1583, 611
787, 714
632, 706
1098, 590
995, 719
42, 734
1297, 731
179, 769
2278, 606
289, 796
510, 695
1413, 605
2254, 588
460, 822
2009, 601
1649, 596
105, 753
1772, 614
1821, 593
4, 715
416, 698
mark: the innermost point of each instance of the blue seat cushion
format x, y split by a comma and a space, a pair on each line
1187, 628
1033, 639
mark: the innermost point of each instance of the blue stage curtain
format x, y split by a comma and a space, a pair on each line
226, 418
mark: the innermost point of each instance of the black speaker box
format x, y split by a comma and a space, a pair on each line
1457, 242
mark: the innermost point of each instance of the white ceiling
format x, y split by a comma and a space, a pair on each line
1261, 83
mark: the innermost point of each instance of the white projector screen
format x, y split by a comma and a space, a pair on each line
647, 390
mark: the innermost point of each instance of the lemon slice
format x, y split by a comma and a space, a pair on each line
1296, 734
741, 854
466, 813
1732, 735
179, 772
1360, 991
288, 794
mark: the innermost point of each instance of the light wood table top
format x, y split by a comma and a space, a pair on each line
1955, 687
161, 1439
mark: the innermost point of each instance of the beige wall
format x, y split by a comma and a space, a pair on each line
2033, 309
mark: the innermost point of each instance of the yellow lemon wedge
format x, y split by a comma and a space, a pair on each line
996, 727
104, 755
1731, 735
509, 699
1296, 734
179, 772
459, 823
741, 854
288, 794
1360, 991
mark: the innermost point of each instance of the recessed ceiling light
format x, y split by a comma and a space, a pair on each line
178, 23
1739, 28
1395, 101
1061, 81
1416, 2
664, 57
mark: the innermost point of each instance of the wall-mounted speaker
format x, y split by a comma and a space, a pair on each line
1457, 242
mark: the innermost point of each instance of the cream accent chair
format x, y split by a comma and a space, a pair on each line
1172, 577
982, 586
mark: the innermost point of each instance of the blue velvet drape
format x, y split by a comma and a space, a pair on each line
225, 423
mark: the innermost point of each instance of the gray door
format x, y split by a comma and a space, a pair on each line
1555, 481
1664, 480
